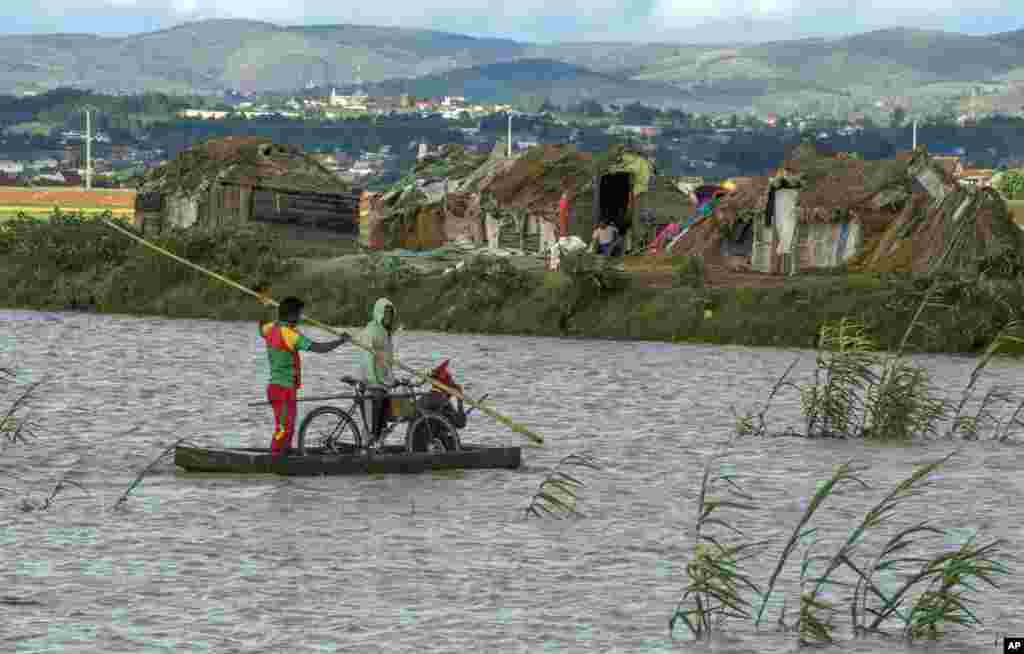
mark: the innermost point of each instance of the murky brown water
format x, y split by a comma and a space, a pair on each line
426, 563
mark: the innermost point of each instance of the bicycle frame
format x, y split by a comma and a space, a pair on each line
359, 399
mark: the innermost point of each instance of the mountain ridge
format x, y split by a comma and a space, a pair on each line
217, 55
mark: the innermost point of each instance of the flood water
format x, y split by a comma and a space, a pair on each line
432, 563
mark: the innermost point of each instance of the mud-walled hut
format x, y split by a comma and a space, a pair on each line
234, 180
822, 210
510, 203
825, 212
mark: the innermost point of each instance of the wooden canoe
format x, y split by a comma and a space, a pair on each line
394, 460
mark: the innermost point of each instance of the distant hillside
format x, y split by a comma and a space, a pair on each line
560, 82
1013, 39
923, 70
216, 55
625, 59
917, 68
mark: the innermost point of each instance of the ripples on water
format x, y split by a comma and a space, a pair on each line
426, 563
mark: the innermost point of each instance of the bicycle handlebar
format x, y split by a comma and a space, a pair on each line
352, 381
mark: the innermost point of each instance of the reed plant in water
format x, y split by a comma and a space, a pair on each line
715, 582
969, 426
557, 494
844, 370
856, 392
942, 580
16, 426
15, 422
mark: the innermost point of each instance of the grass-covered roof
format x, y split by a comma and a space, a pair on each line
245, 160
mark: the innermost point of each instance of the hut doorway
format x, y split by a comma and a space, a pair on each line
616, 189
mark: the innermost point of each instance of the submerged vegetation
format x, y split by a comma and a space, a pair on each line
557, 494
855, 392
879, 587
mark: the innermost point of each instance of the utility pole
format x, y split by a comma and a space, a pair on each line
915, 134
88, 148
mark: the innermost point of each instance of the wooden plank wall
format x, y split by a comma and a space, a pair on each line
336, 213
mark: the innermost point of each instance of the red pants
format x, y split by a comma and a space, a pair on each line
285, 407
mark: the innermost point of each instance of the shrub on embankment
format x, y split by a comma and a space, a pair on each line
70, 262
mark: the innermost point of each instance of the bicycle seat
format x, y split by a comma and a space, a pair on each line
351, 381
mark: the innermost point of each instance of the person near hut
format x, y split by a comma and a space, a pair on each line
284, 342
606, 239
564, 207
377, 362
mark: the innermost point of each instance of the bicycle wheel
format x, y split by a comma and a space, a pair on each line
431, 432
330, 429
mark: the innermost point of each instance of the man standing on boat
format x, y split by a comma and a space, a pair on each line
376, 365
284, 342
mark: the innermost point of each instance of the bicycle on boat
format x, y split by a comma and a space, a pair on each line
334, 430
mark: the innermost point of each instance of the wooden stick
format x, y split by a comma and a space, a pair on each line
514, 426
345, 396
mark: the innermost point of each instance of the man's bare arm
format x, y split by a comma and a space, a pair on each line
327, 346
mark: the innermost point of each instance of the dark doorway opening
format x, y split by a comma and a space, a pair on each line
614, 199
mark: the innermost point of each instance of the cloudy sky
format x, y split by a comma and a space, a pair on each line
537, 20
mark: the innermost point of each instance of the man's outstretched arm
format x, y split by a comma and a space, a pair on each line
327, 346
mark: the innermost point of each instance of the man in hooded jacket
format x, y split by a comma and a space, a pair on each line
377, 365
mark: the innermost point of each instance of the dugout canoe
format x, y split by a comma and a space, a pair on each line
393, 460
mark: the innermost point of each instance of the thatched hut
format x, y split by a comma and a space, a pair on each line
513, 202
956, 228
239, 179
821, 211
885, 216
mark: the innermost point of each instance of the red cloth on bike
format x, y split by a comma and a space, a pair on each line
283, 399
443, 375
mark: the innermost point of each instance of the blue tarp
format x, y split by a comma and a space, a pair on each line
844, 232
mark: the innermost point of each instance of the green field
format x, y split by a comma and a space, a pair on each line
11, 212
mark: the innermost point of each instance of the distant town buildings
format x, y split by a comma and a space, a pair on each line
336, 106
8, 167
203, 114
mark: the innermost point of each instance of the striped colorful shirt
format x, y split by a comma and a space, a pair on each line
284, 343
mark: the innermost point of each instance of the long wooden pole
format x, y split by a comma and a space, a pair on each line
514, 426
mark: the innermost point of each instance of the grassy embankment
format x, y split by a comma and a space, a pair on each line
73, 263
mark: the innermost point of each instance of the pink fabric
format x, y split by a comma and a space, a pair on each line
666, 235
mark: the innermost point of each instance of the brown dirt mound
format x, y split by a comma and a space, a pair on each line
535, 180
751, 194
704, 240
918, 239
229, 147
834, 182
